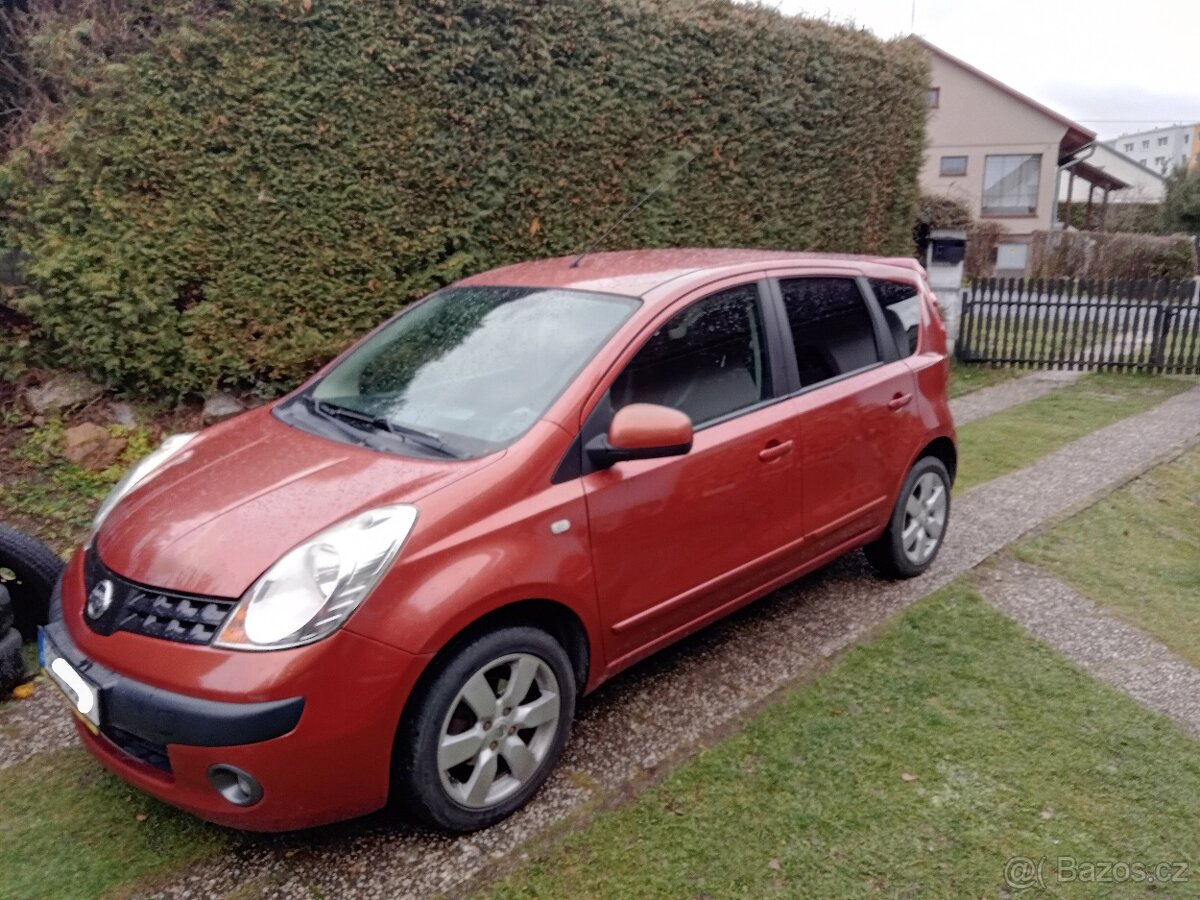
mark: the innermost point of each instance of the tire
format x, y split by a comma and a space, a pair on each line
29, 569
487, 784
6, 613
12, 661
889, 554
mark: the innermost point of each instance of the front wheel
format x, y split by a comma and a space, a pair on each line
914, 534
485, 730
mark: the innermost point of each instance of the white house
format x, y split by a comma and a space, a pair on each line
1003, 154
1144, 185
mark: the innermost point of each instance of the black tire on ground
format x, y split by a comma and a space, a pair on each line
6, 614
887, 552
417, 786
29, 569
12, 661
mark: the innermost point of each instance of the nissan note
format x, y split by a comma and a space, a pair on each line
396, 582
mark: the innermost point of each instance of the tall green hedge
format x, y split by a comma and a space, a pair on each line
266, 180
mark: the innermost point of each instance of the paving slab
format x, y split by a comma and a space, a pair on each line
649, 718
1100, 642
998, 397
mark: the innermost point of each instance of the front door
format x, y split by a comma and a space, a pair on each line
675, 540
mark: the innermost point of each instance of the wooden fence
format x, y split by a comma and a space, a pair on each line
1146, 326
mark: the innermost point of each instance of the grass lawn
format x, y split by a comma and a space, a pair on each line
915, 768
1138, 553
1018, 436
69, 829
967, 377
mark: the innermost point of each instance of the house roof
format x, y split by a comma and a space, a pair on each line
1076, 138
1106, 181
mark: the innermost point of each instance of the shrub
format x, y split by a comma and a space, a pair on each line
1085, 254
1130, 218
1181, 206
940, 211
982, 240
266, 180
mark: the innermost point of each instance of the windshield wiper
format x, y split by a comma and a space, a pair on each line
381, 423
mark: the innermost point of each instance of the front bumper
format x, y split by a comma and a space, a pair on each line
314, 726
164, 717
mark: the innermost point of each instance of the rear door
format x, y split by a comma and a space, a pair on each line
854, 402
674, 540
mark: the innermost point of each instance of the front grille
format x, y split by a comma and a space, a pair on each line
169, 615
146, 751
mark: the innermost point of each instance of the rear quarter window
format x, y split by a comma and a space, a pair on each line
901, 304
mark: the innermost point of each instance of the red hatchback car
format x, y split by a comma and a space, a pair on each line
396, 581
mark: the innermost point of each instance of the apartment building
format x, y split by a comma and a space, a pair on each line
1162, 150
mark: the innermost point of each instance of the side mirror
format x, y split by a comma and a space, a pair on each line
642, 431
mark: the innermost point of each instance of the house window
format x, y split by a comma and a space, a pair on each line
1010, 184
1129, 148
1145, 145
934, 97
954, 166
1158, 160
1162, 142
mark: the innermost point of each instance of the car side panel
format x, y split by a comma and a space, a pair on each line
489, 543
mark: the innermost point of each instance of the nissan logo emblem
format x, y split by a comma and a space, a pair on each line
100, 600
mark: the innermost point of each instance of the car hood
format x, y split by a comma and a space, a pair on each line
242, 494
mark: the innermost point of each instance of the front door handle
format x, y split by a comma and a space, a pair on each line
775, 450
899, 401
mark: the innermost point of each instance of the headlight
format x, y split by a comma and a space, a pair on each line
136, 475
312, 590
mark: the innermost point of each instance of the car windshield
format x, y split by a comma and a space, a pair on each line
468, 370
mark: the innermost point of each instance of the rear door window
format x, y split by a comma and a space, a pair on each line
901, 304
831, 327
709, 360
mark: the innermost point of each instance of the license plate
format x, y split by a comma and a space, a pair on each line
81, 694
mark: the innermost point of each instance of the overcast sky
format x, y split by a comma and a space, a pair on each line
1110, 66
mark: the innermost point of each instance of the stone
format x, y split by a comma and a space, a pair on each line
61, 392
221, 406
91, 446
122, 414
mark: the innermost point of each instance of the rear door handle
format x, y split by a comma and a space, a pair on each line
899, 401
775, 450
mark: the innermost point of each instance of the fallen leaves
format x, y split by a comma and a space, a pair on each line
24, 691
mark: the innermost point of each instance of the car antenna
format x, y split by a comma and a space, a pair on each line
629, 212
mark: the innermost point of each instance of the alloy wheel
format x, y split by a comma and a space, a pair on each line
924, 518
499, 730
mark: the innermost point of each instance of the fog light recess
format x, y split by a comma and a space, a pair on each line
238, 787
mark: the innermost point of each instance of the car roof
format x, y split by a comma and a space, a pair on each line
636, 273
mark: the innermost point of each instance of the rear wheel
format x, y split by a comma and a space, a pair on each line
29, 569
914, 534
486, 730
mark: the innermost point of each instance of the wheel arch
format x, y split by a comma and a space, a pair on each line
941, 448
555, 618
